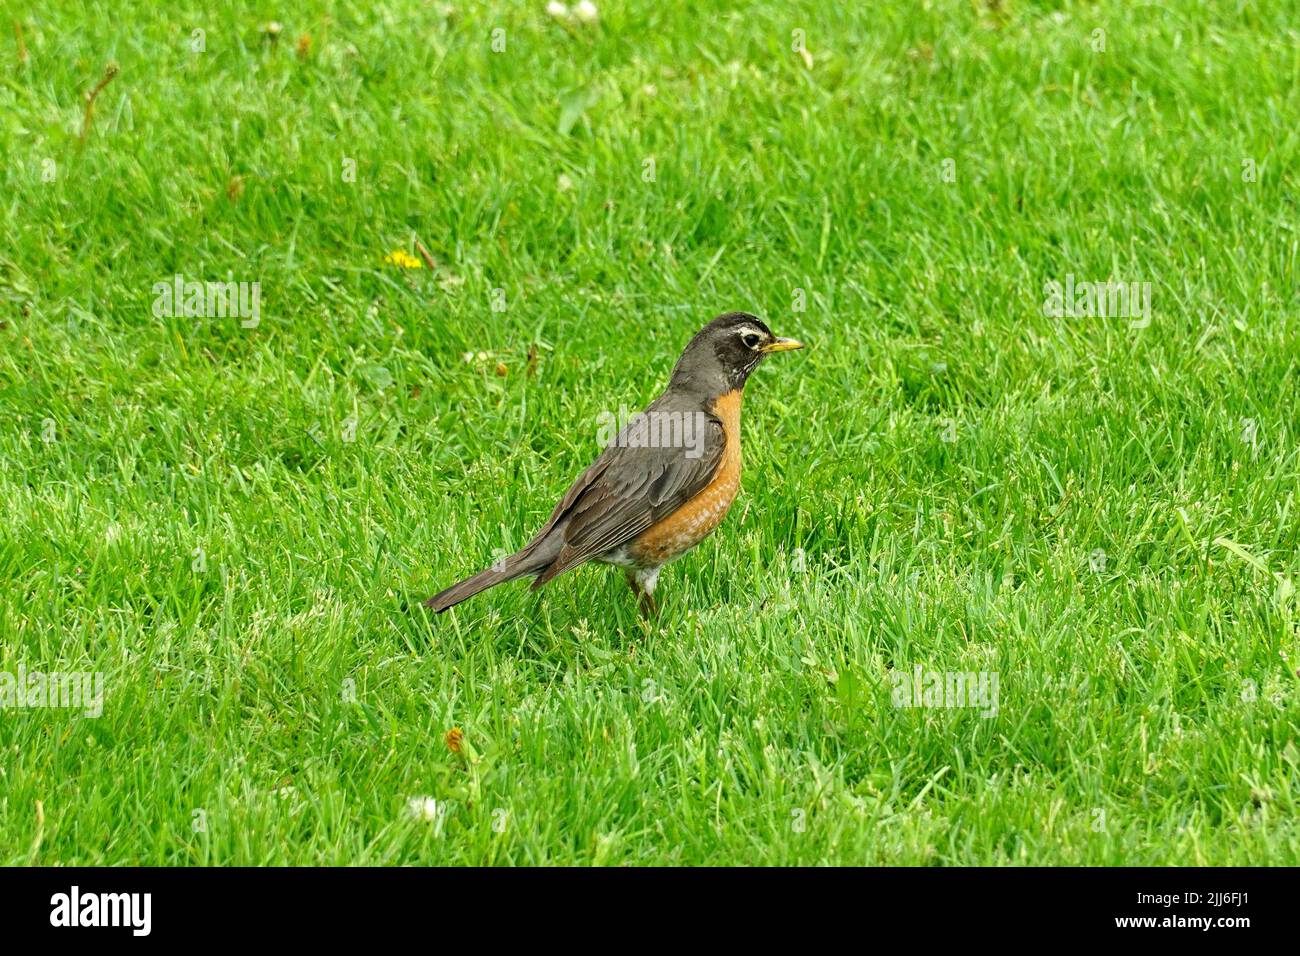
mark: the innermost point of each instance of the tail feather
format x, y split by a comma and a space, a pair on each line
513, 567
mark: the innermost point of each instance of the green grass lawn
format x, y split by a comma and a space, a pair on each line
234, 520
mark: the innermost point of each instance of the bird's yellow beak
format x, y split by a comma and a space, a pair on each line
782, 345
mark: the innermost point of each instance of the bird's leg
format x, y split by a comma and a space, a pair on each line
648, 605
643, 586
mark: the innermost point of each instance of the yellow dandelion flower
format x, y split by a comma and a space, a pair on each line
403, 260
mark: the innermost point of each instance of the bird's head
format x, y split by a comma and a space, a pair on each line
723, 353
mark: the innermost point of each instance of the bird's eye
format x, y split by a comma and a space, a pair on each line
751, 340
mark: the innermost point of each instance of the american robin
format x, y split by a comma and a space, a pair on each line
664, 481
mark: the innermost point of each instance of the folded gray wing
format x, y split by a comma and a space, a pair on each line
626, 490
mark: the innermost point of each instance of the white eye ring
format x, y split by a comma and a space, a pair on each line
750, 339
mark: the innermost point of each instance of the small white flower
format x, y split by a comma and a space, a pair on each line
557, 10
423, 808
586, 11
564, 183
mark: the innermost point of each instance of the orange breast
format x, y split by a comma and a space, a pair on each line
694, 521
